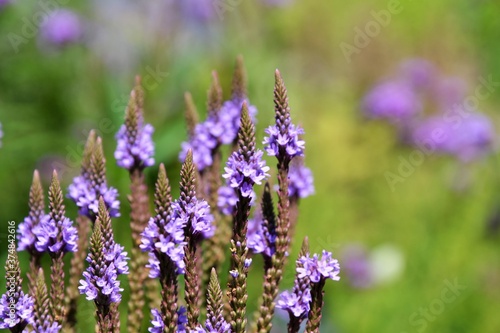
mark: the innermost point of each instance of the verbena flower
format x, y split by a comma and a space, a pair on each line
393, 100
25, 235
467, 138
288, 140
86, 196
61, 27
260, 239
301, 182
47, 234
135, 148
52, 328
317, 268
356, 266
230, 115
22, 314
202, 143
226, 200
418, 72
243, 173
295, 302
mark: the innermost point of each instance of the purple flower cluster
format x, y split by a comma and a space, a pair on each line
171, 242
101, 278
356, 266
301, 182
22, 314
295, 302
135, 149
61, 27
219, 128
242, 174
51, 328
48, 231
317, 269
452, 128
25, 235
221, 326
86, 196
259, 238
288, 141
159, 325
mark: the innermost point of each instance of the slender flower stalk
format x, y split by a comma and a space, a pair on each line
135, 152
26, 236
191, 114
42, 319
244, 168
283, 142
297, 302
57, 236
318, 271
215, 319
164, 240
17, 318
106, 261
195, 215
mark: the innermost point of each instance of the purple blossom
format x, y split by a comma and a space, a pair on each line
51, 328
468, 138
420, 73
194, 215
234, 273
295, 302
181, 319
301, 182
227, 199
259, 239
48, 231
317, 269
118, 257
221, 325
22, 314
229, 119
289, 142
356, 266
393, 100
26, 237
61, 27
157, 322
86, 196
242, 174
137, 149
202, 145
101, 283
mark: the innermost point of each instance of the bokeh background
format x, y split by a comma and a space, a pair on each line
402, 248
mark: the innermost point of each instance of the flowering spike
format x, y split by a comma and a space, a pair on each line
246, 134
215, 318
214, 102
135, 148
281, 107
56, 205
163, 196
239, 89
98, 165
191, 114
88, 152
188, 180
18, 318
43, 321
36, 200
106, 229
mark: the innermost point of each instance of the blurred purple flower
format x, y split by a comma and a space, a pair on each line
468, 138
419, 72
61, 27
393, 100
301, 182
449, 92
356, 266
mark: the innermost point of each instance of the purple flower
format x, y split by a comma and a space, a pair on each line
260, 240
301, 184
242, 174
317, 269
48, 231
51, 328
393, 100
227, 199
202, 144
229, 119
19, 316
194, 215
61, 27
221, 326
135, 148
26, 237
288, 141
101, 283
118, 257
86, 196
181, 319
157, 322
356, 266
295, 302
467, 138
419, 72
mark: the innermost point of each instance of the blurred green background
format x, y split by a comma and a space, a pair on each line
437, 224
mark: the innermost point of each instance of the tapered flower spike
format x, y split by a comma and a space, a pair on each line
297, 302
191, 114
43, 321
87, 153
244, 169
214, 98
26, 236
215, 318
21, 315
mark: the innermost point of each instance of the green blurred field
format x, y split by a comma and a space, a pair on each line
438, 217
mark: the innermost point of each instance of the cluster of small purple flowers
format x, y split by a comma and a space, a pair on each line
22, 314
455, 127
26, 237
290, 142
135, 146
86, 196
47, 234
